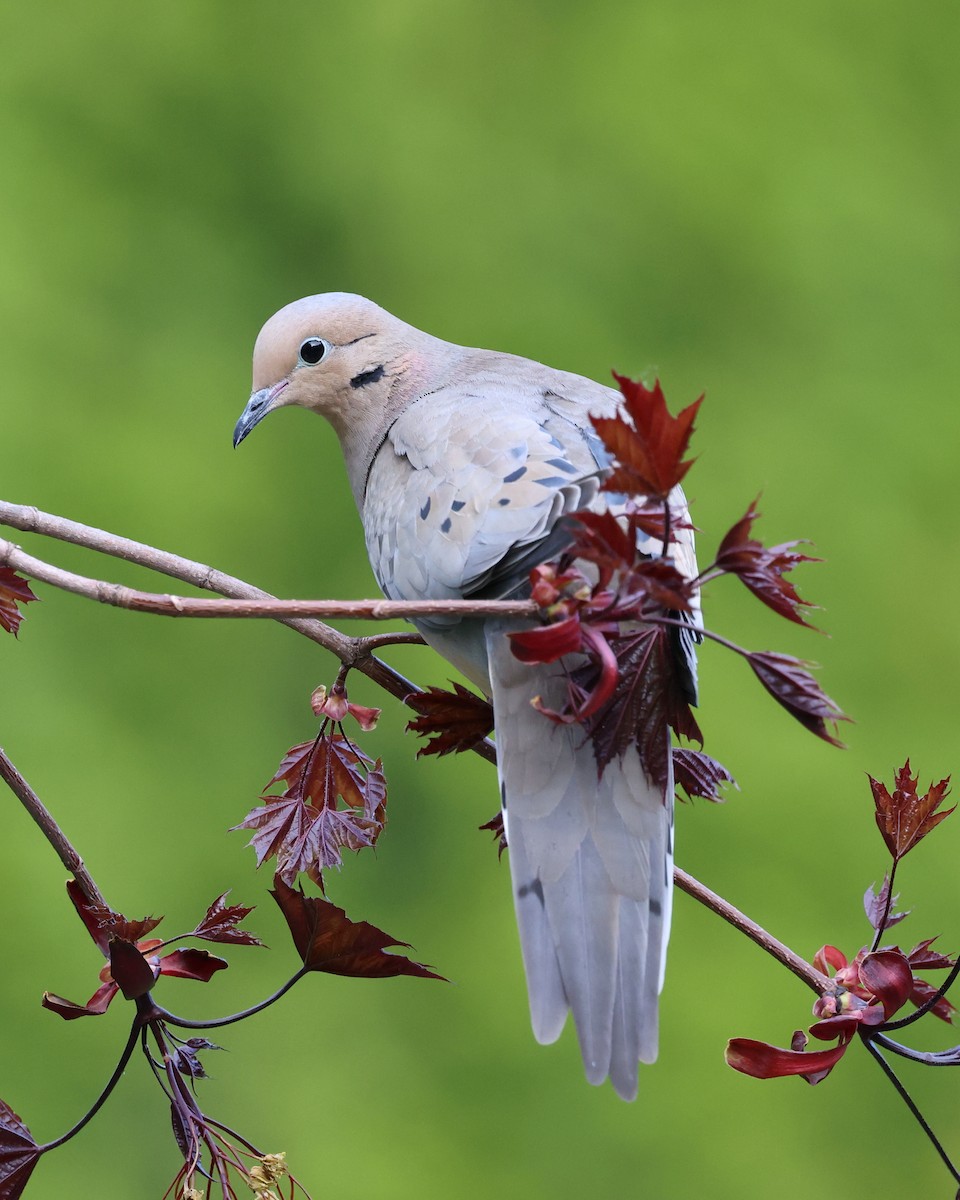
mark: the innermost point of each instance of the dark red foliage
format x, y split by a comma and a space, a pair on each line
903, 817
19, 1154
456, 721
762, 568
791, 684
335, 799
134, 966
14, 591
699, 775
644, 704
763, 1061
103, 924
649, 447
327, 940
495, 826
221, 921
876, 904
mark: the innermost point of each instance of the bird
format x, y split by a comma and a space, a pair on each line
466, 466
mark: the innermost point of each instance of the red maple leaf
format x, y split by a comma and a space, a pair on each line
791, 684
699, 775
19, 1154
335, 800
220, 924
903, 817
762, 569
457, 720
133, 966
649, 447
327, 940
14, 591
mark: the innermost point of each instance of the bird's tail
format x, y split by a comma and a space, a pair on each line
592, 867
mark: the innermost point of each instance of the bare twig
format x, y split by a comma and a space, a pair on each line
51, 830
168, 605
793, 962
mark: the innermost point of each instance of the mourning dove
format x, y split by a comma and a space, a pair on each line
464, 464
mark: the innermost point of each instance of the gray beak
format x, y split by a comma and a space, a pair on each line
259, 404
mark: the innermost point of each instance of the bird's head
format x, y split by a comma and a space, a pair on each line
339, 355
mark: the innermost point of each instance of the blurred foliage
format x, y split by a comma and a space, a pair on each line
760, 200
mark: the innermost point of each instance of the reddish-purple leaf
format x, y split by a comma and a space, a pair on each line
306, 828
327, 940
130, 970
700, 775
921, 957
192, 964
14, 591
887, 974
96, 1006
19, 1154
103, 923
903, 817
221, 921
649, 447
923, 991
459, 719
875, 905
791, 684
547, 643
495, 826
763, 1061
762, 569
647, 700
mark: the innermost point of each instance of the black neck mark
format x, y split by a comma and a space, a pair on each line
365, 377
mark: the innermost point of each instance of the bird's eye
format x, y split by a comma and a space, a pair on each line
312, 350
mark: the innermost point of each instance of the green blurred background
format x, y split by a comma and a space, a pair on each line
757, 200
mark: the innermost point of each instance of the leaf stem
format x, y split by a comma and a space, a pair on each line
101, 1099
217, 1022
905, 1096
881, 927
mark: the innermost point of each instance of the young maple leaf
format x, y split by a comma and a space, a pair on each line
762, 568
903, 817
327, 940
220, 924
19, 1154
133, 966
791, 684
306, 828
14, 591
699, 775
460, 719
647, 699
649, 447
875, 904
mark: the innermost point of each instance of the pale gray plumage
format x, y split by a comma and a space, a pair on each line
464, 464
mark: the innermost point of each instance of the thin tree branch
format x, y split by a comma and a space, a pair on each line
352, 651
813, 978
168, 605
50, 829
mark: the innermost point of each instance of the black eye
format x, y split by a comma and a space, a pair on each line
312, 350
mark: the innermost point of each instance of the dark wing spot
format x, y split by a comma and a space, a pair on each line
515, 475
552, 481
425, 511
365, 377
505, 500
531, 889
457, 505
445, 527
655, 907
562, 465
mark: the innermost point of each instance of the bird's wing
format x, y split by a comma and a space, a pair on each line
468, 491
